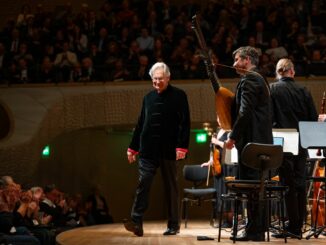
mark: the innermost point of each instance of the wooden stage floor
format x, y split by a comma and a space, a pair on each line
116, 234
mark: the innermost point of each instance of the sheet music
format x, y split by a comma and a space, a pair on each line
291, 139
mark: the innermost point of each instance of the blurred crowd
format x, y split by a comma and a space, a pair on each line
122, 39
34, 216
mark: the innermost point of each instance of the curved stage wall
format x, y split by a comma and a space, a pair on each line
88, 129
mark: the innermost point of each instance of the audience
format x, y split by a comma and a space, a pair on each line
59, 40
35, 216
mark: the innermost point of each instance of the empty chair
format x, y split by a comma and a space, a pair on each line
198, 192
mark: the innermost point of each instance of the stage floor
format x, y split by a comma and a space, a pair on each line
116, 234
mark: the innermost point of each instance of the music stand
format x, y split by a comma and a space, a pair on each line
313, 136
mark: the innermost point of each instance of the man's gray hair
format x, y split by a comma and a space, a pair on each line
248, 51
160, 65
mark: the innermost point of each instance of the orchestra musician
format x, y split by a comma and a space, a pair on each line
220, 172
253, 123
292, 103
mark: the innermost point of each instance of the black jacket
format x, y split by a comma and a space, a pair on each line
291, 103
253, 122
163, 125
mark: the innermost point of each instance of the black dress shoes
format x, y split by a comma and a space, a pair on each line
133, 227
259, 237
171, 231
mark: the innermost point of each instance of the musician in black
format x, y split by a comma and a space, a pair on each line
292, 103
160, 138
253, 123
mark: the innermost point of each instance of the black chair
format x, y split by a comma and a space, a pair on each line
198, 193
262, 157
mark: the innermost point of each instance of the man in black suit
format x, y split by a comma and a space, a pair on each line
292, 103
160, 138
252, 123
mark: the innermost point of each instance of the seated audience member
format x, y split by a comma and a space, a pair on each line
113, 54
132, 57
252, 43
316, 65
26, 215
99, 207
24, 54
12, 75
65, 61
53, 207
142, 69
119, 73
267, 66
13, 234
98, 59
79, 41
75, 211
145, 41
88, 72
275, 51
25, 72
194, 68
76, 73
47, 73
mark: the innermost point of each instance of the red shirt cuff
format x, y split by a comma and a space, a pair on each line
133, 151
182, 149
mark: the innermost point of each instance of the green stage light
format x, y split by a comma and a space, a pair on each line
46, 151
201, 138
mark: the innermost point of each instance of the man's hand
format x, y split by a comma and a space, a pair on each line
131, 157
229, 144
180, 155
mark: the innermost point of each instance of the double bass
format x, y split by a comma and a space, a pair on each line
223, 97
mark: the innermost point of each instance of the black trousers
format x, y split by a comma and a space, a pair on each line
147, 170
293, 174
256, 208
